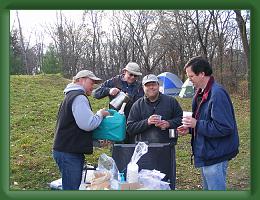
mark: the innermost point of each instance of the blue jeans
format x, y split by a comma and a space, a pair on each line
214, 176
71, 167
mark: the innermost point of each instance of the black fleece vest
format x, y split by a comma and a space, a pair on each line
69, 137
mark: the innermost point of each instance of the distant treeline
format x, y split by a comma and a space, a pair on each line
158, 40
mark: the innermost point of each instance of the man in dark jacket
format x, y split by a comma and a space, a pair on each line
126, 82
213, 125
143, 122
73, 135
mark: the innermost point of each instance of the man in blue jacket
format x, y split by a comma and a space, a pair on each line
213, 125
126, 82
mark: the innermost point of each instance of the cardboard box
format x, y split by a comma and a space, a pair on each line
129, 186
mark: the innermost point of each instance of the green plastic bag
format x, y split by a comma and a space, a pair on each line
112, 127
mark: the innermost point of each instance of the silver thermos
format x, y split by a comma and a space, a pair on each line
173, 133
118, 101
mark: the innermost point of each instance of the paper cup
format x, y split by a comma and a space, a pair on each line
187, 114
159, 117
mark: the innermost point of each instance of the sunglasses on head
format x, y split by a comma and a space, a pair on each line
133, 75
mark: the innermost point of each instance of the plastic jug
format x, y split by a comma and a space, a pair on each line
132, 173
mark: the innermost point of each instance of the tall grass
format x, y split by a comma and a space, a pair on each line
34, 102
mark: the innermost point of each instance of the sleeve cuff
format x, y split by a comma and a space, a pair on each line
99, 114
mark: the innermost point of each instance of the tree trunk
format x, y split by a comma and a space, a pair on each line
22, 44
242, 28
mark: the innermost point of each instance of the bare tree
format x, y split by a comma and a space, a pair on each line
157, 40
243, 33
22, 44
144, 28
244, 37
202, 23
69, 42
220, 30
178, 38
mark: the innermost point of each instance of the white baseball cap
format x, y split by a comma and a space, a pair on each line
133, 68
150, 78
87, 73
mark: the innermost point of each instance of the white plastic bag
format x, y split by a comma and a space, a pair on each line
132, 168
106, 162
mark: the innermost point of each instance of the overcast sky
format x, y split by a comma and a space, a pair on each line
35, 20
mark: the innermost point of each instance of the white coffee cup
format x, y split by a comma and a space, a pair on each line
186, 114
159, 117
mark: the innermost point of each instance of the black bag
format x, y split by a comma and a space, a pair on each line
160, 156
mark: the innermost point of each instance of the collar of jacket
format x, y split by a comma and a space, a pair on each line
205, 94
155, 102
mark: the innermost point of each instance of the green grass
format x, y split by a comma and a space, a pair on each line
34, 102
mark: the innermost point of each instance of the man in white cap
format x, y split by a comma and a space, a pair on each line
144, 124
126, 82
75, 122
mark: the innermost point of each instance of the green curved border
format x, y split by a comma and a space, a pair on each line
6, 5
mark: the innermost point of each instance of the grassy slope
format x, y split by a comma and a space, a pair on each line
34, 101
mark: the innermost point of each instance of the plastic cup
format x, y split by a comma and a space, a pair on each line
186, 114
159, 117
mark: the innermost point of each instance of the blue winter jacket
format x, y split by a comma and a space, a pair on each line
134, 91
216, 135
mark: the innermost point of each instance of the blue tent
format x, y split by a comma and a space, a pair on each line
169, 83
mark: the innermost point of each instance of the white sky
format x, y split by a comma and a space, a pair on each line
35, 20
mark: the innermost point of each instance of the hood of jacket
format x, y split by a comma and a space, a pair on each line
71, 87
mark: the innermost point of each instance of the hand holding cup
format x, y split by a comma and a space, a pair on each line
161, 123
186, 120
154, 119
182, 130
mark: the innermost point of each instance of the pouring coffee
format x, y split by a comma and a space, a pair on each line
120, 98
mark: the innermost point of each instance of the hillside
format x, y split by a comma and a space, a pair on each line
34, 102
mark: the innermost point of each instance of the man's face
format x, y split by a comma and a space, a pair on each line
151, 89
129, 77
88, 85
197, 80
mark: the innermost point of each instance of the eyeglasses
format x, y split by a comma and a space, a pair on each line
133, 75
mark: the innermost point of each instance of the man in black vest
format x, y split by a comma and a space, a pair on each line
73, 136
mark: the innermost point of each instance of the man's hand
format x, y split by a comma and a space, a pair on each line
183, 130
154, 119
114, 91
103, 112
163, 124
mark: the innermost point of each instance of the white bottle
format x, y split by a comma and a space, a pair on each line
121, 111
132, 173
